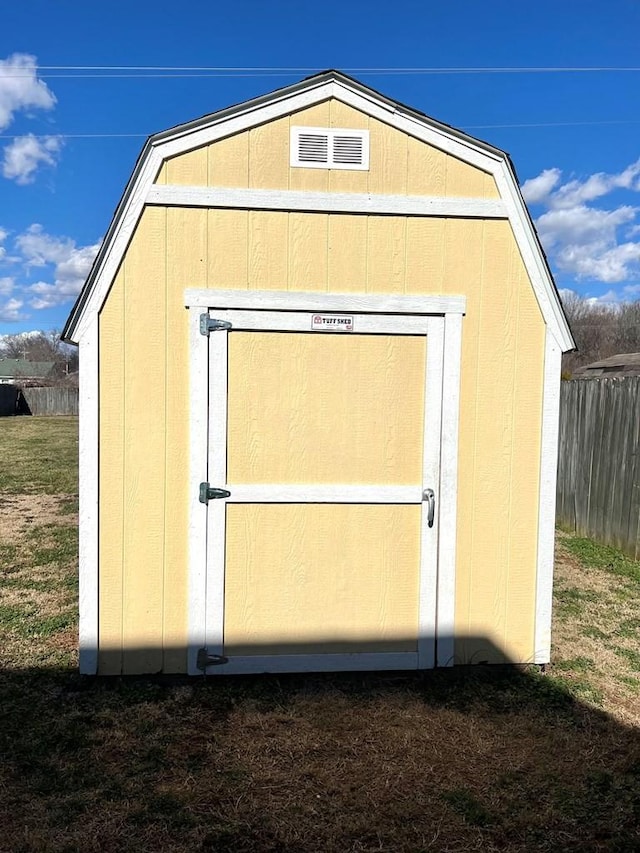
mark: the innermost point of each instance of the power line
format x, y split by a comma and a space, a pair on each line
143, 71
76, 135
552, 124
463, 126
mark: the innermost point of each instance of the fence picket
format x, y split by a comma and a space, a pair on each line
51, 401
598, 491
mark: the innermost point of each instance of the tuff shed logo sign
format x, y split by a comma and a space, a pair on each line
331, 323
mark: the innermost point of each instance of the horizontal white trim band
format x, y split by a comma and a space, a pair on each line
319, 202
290, 321
254, 664
332, 493
285, 300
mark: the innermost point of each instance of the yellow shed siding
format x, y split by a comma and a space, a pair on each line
144, 393
259, 158
378, 544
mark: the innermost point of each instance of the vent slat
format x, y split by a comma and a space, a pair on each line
313, 148
347, 149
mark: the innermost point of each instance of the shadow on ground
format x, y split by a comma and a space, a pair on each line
483, 758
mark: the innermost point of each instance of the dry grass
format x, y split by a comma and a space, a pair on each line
461, 760
597, 630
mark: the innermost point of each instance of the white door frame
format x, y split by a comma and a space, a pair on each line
440, 319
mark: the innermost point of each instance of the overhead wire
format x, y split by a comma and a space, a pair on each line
187, 71
128, 71
462, 126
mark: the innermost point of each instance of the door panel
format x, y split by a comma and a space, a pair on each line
322, 552
325, 408
321, 578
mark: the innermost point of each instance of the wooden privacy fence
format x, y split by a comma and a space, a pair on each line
49, 401
598, 492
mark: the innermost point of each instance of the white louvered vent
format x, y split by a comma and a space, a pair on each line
313, 148
329, 148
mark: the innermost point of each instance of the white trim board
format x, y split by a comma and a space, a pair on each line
216, 449
447, 518
88, 441
293, 300
330, 493
285, 102
347, 662
429, 532
318, 202
197, 536
547, 499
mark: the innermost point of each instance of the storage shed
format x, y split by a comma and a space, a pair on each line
320, 365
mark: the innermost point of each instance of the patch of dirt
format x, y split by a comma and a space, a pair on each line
20, 512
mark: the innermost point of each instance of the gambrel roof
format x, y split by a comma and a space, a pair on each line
329, 84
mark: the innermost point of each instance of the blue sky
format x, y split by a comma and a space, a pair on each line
69, 139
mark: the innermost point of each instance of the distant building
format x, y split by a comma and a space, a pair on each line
19, 371
624, 364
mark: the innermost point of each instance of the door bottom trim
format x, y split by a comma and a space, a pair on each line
354, 662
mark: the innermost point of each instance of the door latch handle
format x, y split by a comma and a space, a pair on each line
430, 497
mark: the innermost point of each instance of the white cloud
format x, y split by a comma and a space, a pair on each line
583, 242
589, 242
597, 185
536, 190
10, 311
71, 265
26, 153
39, 248
61, 265
583, 225
20, 88
610, 266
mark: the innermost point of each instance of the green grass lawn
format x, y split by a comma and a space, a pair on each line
455, 760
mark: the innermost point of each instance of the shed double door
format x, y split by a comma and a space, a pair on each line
324, 430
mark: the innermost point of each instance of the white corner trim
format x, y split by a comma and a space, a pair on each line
547, 498
289, 300
88, 451
197, 536
448, 498
321, 202
347, 662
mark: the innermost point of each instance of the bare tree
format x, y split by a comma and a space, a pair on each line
42, 347
600, 330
